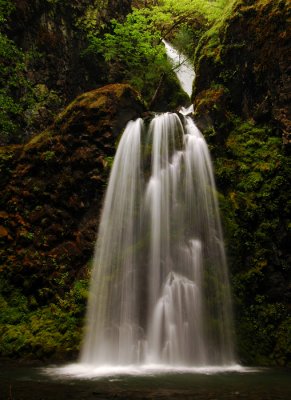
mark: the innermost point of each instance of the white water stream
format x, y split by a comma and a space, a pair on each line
160, 292
183, 68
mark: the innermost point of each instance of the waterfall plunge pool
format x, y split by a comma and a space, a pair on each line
22, 382
83, 371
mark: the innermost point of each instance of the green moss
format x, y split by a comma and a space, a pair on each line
210, 44
39, 139
253, 172
16, 93
264, 334
51, 331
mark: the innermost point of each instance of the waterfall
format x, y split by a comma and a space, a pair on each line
182, 67
159, 291
112, 312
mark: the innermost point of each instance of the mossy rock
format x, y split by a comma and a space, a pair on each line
50, 201
241, 106
112, 106
247, 52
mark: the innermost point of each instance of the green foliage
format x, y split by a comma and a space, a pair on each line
134, 51
174, 12
210, 46
253, 173
30, 331
265, 332
185, 39
20, 102
93, 18
109, 161
6, 7
11, 79
133, 48
15, 89
48, 155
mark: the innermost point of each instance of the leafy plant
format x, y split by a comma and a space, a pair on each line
133, 48
30, 330
16, 90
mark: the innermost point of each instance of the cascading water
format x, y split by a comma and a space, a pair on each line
160, 291
182, 67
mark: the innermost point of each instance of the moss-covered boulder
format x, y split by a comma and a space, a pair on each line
241, 103
50, 201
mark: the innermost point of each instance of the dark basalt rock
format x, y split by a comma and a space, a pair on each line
53, 36
51, 199
241, 101
52, 31
250, 59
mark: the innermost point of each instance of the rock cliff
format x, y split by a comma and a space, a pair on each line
53, 38
243, 61
50, 203
242, 95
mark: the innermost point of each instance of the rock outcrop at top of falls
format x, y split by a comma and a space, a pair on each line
50, 202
